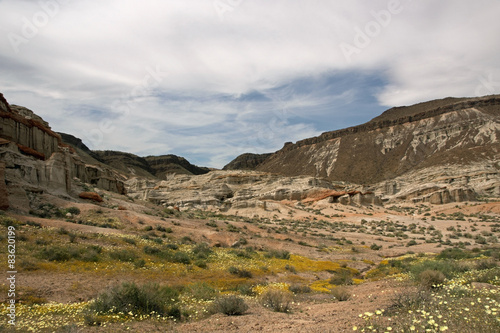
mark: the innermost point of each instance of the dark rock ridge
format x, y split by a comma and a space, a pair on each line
126, 162
169, 164
150, 166
246, 161
75, 142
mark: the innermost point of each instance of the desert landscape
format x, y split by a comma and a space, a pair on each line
392, 225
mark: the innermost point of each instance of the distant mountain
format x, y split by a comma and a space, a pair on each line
246, 162
150, 166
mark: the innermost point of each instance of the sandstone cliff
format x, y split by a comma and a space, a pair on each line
35, 160
450, 133
224, 190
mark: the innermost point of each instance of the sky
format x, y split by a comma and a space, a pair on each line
211, 79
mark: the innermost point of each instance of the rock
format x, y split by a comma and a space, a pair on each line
4, 196
91, 196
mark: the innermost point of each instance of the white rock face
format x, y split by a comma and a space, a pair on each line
239, 189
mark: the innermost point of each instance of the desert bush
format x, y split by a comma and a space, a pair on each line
201, 291
91, 254
139, 263
245, 289
342, 277
130, 241
129, 297
491, 276
243, 273
299, 289
341, 294
123, 255
411, 243
279, 254
455, 253
47, 211
151, 250
375, 247
28, 265
181, 257
72, 210
486, 264
277, 300
172, 246
230, 305
430, 279
59, 253
449, 268
408, 300
202, 251
34, 224
201, 263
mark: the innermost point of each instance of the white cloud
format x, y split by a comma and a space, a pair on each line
97, 55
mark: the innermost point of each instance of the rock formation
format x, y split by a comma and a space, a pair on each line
241, 189
452, 143
4, 199
35, 160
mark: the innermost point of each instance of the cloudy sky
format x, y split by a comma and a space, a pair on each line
211, 79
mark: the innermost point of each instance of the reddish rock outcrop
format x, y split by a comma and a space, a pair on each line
91, 196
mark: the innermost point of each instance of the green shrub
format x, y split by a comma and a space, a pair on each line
73, 210
129, 297
449, 268
454, 253
9, 221
47, 211
181, 257
202, 251
245, 289
411, 243
172, 246
123, 255
201, 263
342, 277
243, 273
59, 253
230, 305
130, 241
279, 254
151, 250
277, 300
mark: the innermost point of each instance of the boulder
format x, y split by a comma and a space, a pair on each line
91, 196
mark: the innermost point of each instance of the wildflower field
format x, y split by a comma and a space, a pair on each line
150, 277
